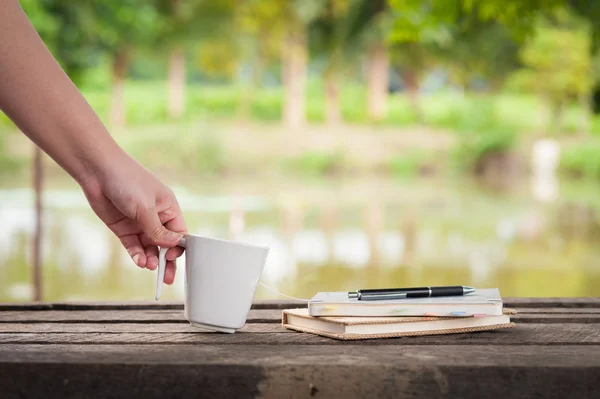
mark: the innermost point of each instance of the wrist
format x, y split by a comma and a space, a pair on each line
97, 166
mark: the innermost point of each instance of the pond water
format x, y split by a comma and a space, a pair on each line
326, 235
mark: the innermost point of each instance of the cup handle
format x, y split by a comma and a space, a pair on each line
162, 264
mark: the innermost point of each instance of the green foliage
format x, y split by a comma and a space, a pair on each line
414, 19
43, 19
411, 164
475, 147
190, 151
218, 58
185, 21
317, 163
558, 62
444, 110
8, 163
4, 121
483, 49
66, 28
341, 27
595, 126
124, 24
582, 160
480, 136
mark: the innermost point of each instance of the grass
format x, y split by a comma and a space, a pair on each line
481, 125
146, 104
317, 163
582, 160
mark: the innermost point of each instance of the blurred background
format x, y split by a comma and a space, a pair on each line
367, 142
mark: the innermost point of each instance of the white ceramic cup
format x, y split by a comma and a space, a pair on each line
221, 278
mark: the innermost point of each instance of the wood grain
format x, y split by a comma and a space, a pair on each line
121, 316
134, 305
96, 327
295, 371
412, 378
157, 316
148, 350
566, 303
572, 356
526, 334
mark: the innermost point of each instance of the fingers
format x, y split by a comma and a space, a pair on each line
152, 257
175, 221
170, 272
135, 249
174, 253
153, 228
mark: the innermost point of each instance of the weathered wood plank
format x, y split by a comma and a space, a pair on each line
586, 302
355, 377
125, 327
352, 354
177, 327
134, 305
526, 334
292, 371
559, 310
123, 316
254, 316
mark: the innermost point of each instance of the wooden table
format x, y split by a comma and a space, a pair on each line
149, 351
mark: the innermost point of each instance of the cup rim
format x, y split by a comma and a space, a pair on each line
244, 244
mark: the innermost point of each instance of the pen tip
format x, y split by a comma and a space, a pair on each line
468, 290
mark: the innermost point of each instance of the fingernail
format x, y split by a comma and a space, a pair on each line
136, 258
172, 236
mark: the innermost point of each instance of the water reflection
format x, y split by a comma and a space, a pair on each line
327, 238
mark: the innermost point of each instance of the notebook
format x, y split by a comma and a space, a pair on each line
483, 302
355, 328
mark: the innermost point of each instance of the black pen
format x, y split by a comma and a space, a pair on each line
416, 292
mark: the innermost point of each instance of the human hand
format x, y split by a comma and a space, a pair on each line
37, 95
140, 211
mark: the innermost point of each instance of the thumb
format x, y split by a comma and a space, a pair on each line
156, 232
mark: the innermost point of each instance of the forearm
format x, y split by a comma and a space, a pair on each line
41, 100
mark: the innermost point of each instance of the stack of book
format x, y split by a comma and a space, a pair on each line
335, 315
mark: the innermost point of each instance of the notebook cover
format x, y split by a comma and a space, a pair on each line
385, 320
484, 301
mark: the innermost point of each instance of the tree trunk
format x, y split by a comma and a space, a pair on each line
377, 81
556, 112
374, 216
411, 80
176, 97
37, 238
119, 73
328, 225
585, 102
333, 112
294, 77
248, 91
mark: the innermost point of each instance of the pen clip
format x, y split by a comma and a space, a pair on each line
378, 297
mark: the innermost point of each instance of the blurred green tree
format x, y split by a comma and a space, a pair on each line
184, 24
339, 35
480, 49
378, 59
469, 38
330, 37
557, 63
283, 24
412, 60
119, 29
262, 30
64, 27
